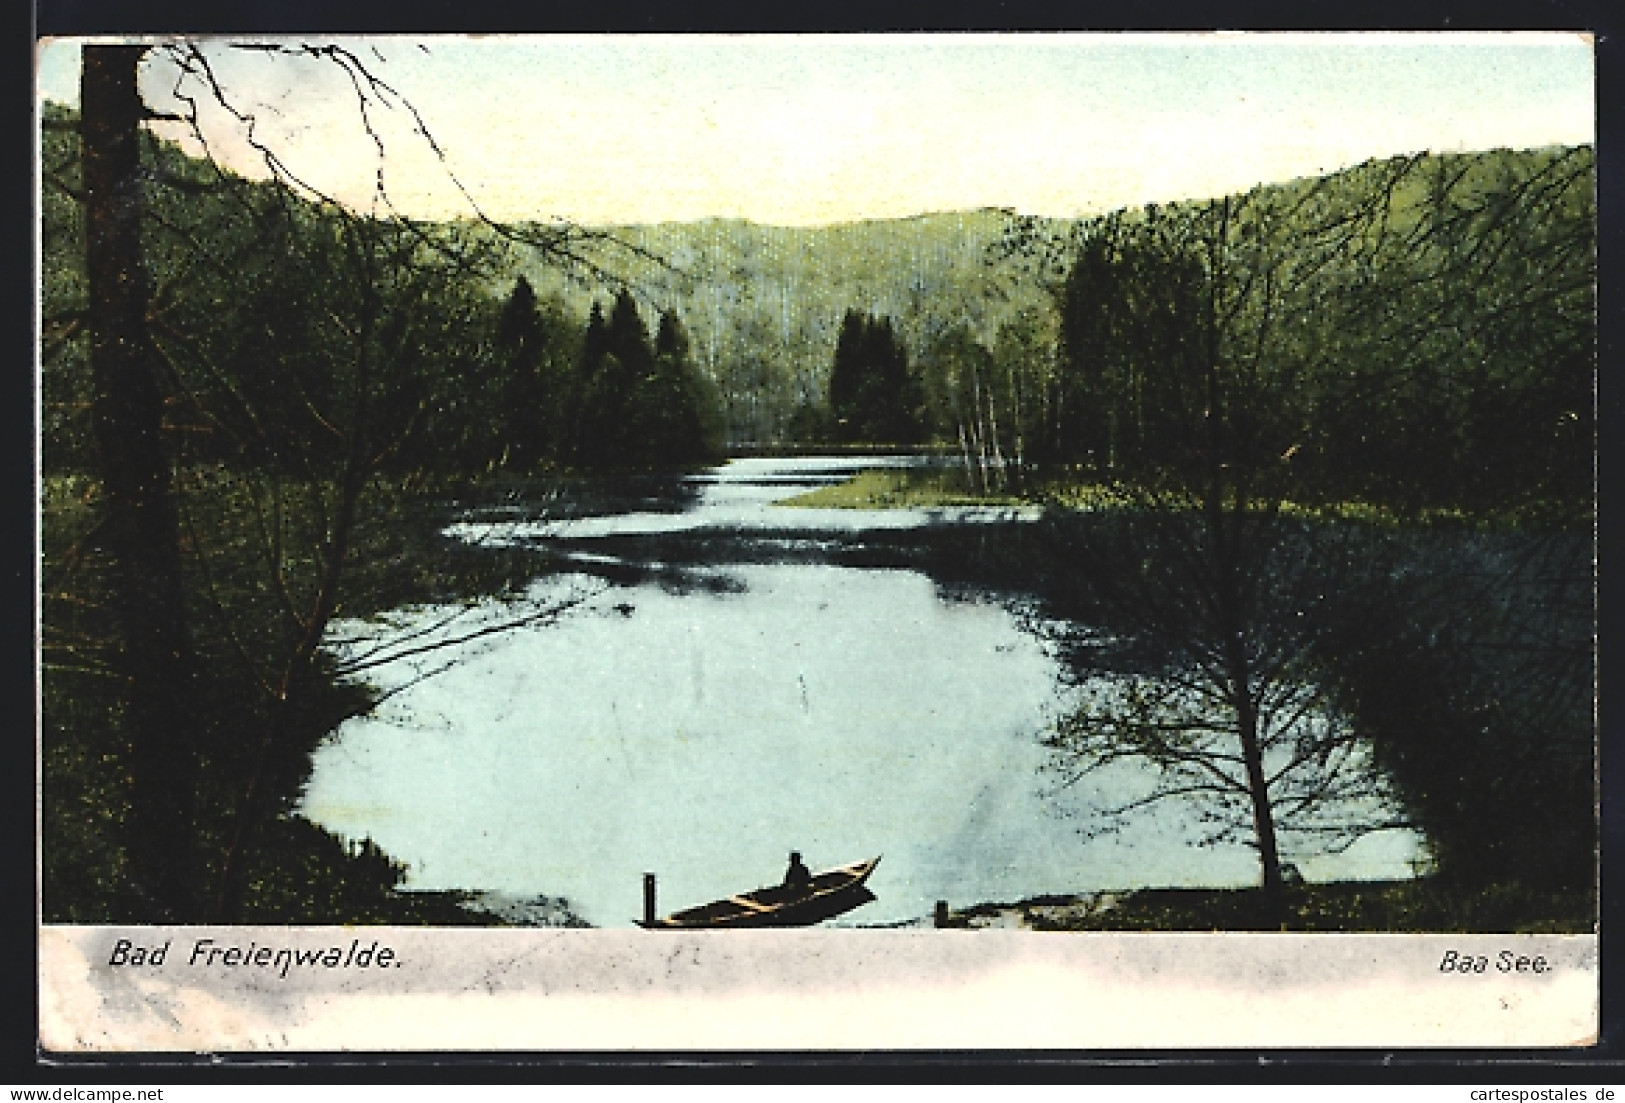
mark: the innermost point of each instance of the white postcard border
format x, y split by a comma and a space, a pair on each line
569, 990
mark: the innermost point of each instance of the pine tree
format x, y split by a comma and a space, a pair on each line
894, 399
845, 379
518, 324
628, 339
523, 419
616, 368
574, 442
596, 344
671, 405
873, 395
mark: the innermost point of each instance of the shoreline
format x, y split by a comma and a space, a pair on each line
1419, 905
1414, 906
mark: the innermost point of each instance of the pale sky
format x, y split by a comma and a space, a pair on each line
799, 130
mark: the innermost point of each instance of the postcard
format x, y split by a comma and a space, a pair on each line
817, 542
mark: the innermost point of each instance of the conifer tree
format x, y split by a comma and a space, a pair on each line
873, 396
689, 399
845, 380
524, 393
616, 366
574, 444
628, 339
669, 405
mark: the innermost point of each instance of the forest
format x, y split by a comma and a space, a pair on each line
1318, 459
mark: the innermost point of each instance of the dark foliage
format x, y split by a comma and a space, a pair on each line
872, 395
299, 367
642, 405
1416, 333
249, 395
1469, 667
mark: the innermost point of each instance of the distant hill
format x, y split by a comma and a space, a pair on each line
764, 303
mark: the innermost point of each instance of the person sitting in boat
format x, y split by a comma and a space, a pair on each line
798, 875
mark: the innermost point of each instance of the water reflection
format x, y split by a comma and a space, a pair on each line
744, 496
703, 731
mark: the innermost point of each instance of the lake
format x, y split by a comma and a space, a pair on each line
701, 721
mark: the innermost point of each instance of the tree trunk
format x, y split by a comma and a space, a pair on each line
1225, 530
138, 492
964, 449
1252, 755
1018, 412
993, 432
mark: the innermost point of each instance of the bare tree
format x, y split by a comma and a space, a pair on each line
1207, 663
305, 347
1201, 310
1241, 317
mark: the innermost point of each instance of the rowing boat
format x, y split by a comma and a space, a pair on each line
828, 894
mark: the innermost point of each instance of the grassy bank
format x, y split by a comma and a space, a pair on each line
1345, 906
938, 487
905, 488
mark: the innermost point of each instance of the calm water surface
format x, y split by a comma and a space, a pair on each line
703, 731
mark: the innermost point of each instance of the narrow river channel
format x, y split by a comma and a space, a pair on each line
701, 723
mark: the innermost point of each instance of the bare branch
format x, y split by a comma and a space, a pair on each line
546, 616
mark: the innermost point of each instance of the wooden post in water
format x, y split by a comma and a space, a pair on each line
648, 898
